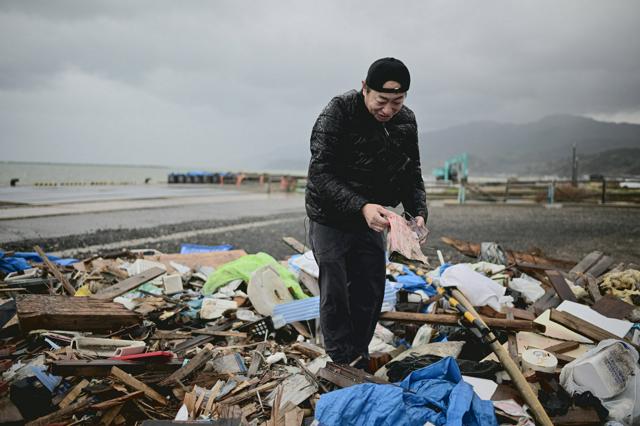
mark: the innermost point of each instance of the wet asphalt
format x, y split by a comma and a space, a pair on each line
569, 232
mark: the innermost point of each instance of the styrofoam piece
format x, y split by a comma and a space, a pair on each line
266, 290
214, 308
172, 284
96, 346
539, 360
277, 357
557, 331
247, 315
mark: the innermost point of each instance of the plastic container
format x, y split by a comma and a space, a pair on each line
607, 372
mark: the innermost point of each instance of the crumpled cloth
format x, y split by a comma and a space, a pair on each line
402, 240
243, 267
435, 394
480, 290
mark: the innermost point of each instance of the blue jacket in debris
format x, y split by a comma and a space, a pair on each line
435, 394
356, 160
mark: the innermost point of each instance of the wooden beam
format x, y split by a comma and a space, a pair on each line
105, 405
560, 286
138, 385
58, 416
613, 307
194, 364
592, 287
587, 262
38, 311
219, 333
512, 343
55, 271
73, 394
518, 325
249, 393
581, 326
295, 244
563, 347
129, 284
102, 367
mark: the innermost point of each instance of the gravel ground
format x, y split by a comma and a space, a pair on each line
569, 232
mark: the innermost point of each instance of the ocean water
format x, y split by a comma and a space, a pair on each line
48, 173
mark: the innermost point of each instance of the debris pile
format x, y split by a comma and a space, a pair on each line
216, 334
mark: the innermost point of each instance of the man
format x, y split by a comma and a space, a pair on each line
364, 156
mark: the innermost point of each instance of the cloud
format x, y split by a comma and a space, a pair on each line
198, 83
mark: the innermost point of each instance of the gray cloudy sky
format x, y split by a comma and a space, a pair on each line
238, 84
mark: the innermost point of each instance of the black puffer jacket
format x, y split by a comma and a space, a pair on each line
356, 160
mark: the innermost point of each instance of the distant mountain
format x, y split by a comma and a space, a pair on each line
528, 148
537, 148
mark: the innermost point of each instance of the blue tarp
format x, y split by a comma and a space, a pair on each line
19, 261
197, 248
411, 281
435, 394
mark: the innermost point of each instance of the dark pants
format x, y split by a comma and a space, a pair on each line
352, 278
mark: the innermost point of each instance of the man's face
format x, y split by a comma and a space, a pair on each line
383, 106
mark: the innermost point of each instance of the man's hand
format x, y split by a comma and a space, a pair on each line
376, 216
418, 226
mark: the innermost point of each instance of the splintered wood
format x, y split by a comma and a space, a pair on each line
36, 311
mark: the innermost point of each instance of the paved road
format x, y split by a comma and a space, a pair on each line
63, 219
259, 224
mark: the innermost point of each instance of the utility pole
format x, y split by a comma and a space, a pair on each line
574, 168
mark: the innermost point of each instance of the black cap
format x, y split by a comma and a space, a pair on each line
388, 69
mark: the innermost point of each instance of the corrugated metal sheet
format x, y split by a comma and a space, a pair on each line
307, 309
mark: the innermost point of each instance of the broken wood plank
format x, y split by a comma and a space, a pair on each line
560, 286
256, 359
105, 405
249, 393
213, 394
310, 282
39, 311
194, 364
197, 260
73, 394
127, 285
138, 385
295, 244
220, 333
549, 300
294, 417
587, 262
58, 416
55, 271
110, 415
613, 307
517, 325
102, 367
563, 347
601, 266
309, 349
592, 287
512, 343
581, 326
513, 257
